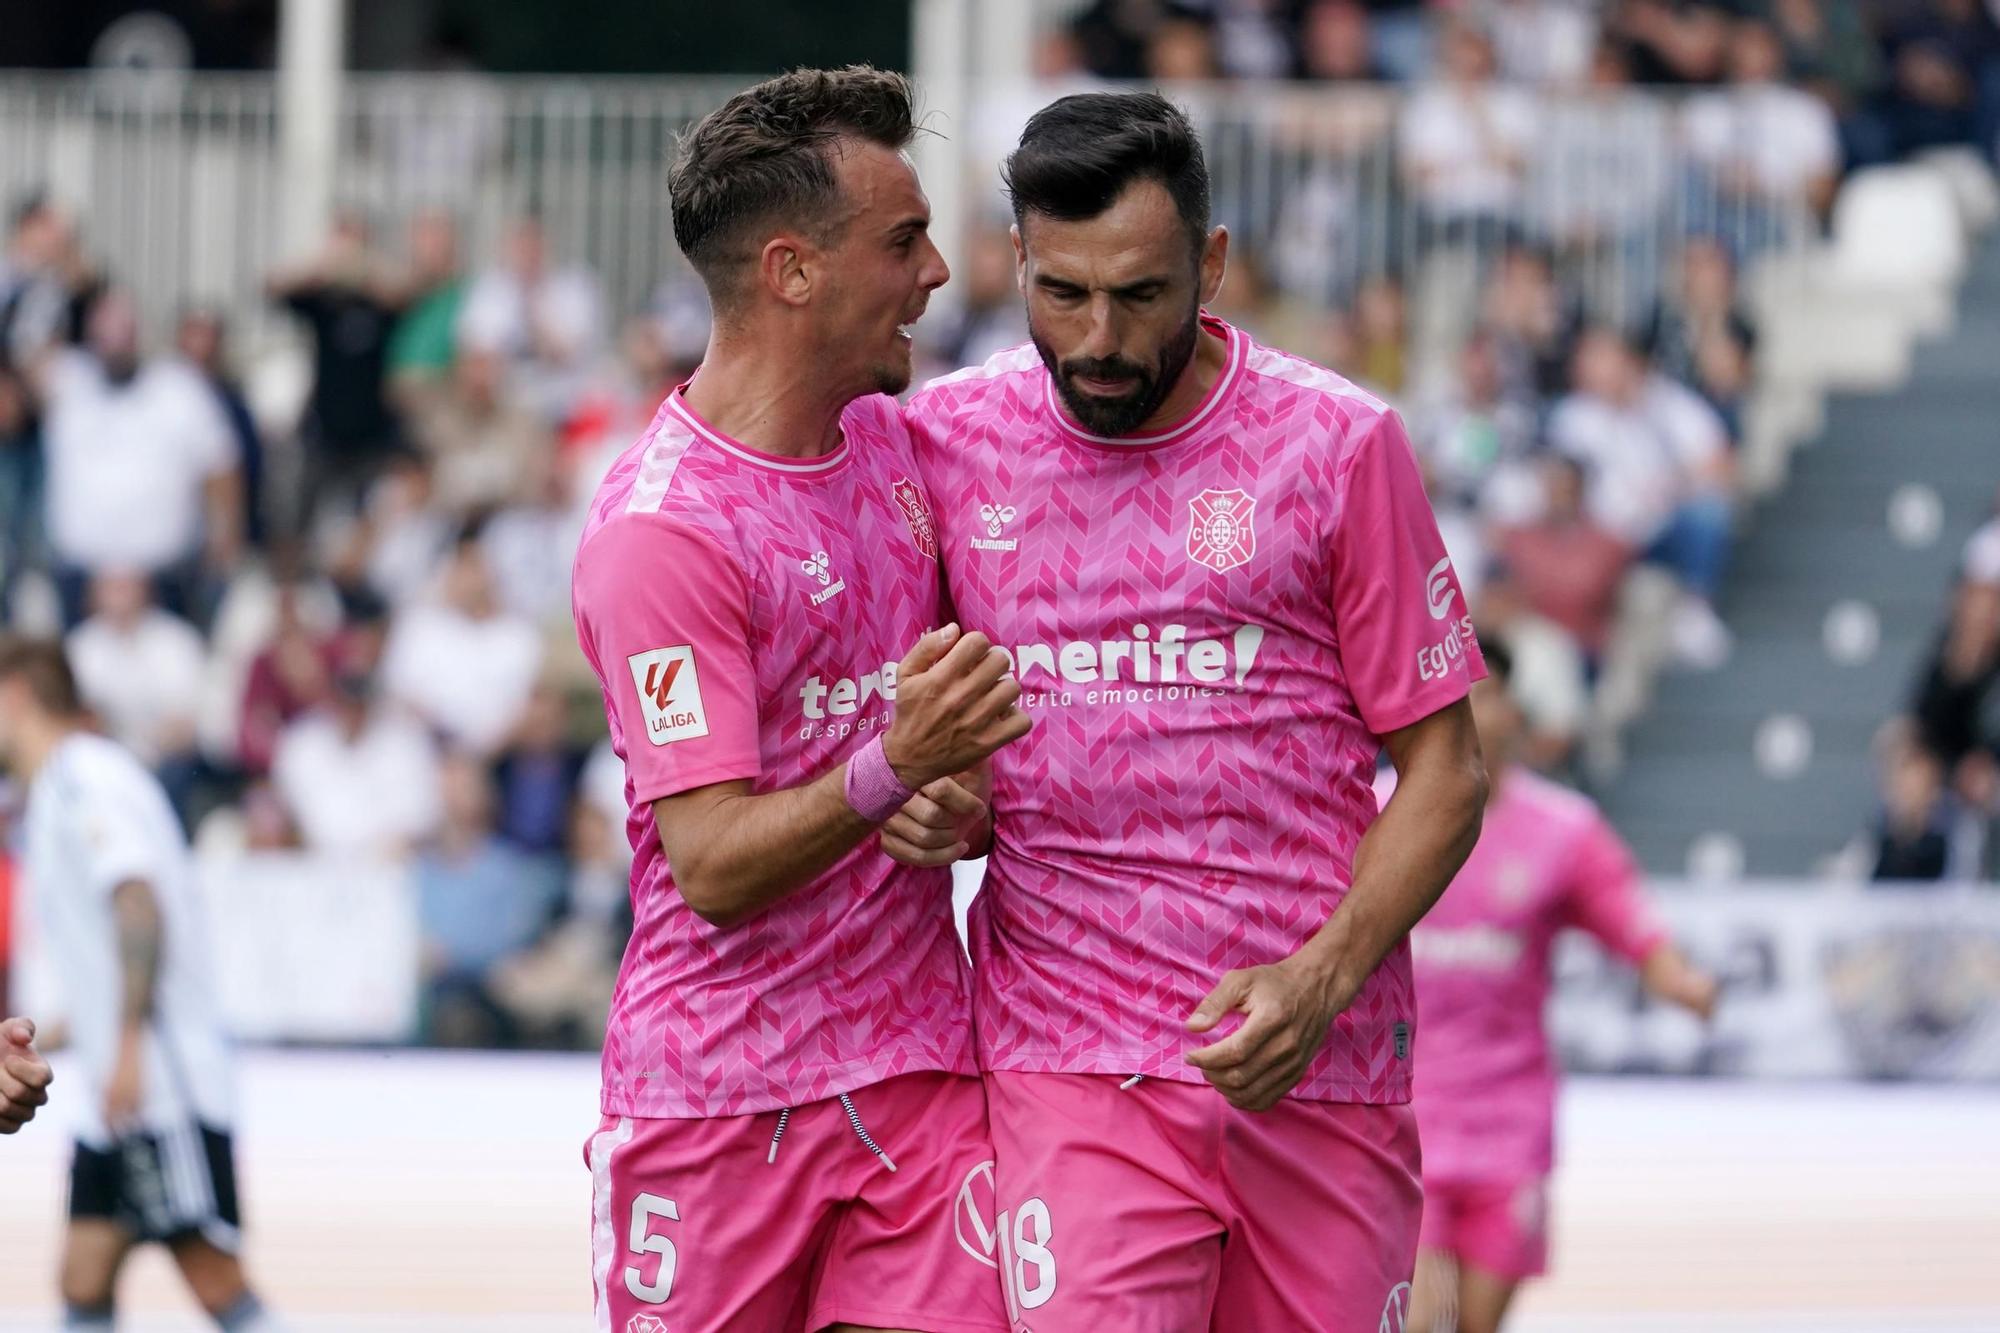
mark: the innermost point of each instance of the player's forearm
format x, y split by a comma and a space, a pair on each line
744, 852
140, 945
1405, 862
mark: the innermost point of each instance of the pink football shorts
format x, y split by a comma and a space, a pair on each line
838, 1211
1498, 1227
1160, 1208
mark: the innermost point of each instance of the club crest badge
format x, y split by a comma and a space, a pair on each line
1220, 535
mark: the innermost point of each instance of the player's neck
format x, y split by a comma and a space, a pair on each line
1204, 368
772, 403
35, 739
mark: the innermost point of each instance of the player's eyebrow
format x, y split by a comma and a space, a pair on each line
910, 226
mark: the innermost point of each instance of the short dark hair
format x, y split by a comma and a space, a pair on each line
42, 665
1079, 153
763, 156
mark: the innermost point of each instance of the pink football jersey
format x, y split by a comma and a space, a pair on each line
1213, 627
745, 614
1486, 1080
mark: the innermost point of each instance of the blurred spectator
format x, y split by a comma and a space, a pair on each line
1336, 42
142, 470
1181, 50
1465, 141
1913, 838
348, 296
548, 323
1112, 35
201, 338
1567, 568
1476, 437
1944, 81
530, 546
561, 989
1674, 41
991, 318
1661, 474
461, 661
1952, 707
140, 670
392, 550
1705, 338
1981, 560
45, 285
479, 901
358, 779
1532, 325
20, 481
536, 776
422, 347
1253, 38
1828, 49
1543, 42
480, 439
289, 678
1549, 680
1760, 140
1382, 330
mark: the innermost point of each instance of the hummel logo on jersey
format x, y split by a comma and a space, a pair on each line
996, 517
669, 694
1438, 589
818, 566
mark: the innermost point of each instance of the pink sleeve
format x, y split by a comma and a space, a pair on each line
1406, 641
664, 615
1607, 895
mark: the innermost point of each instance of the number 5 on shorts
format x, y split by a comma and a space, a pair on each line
644, 1209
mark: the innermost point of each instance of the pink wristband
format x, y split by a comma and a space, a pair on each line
873, 788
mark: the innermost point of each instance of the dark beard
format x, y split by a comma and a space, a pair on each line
1121, 416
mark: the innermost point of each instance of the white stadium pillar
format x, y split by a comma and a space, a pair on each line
312, 50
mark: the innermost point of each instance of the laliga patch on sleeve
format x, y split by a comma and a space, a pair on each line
669, 694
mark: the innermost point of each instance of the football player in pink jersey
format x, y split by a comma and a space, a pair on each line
1486, 1079
1223, 593
791, 1107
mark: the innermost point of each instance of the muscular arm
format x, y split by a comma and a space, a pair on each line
734, 853
140, 944
1409, 854
1404, 863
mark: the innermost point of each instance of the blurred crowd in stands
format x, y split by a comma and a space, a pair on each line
1784, 86
1940, 756
349, 632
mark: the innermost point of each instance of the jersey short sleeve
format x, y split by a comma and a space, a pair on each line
1406, 643
1606, 895
666, 618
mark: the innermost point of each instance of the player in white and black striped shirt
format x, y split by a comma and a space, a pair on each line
112, 885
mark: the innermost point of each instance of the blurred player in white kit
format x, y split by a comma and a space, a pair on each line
112, 885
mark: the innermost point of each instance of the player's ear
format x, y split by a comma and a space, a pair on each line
783, 269
1214, 263
1020, 260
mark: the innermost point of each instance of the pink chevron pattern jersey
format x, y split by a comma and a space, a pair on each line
745, 614
1486, 1080
1213, 627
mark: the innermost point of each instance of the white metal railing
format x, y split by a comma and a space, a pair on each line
178, 181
